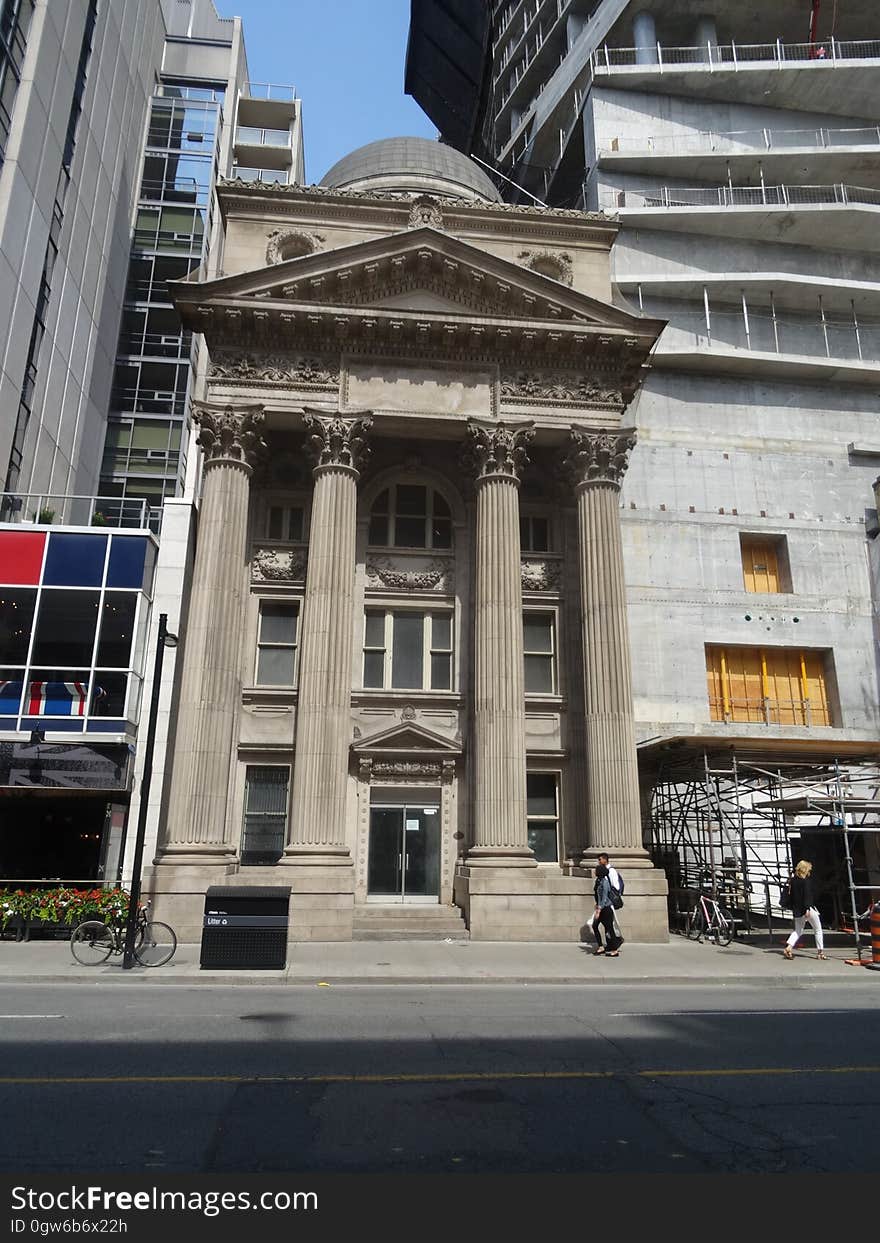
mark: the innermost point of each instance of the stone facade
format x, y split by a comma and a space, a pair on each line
406, 673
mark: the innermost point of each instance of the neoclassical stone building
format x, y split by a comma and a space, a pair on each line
406, 683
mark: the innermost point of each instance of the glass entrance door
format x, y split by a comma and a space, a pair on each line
404, 861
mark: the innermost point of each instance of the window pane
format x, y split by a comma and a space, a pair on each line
375, 634
16, 616
265, 818
11, 686
278, 623
409, 532
541, 794
266, 790
407, 654
117, 629
524, 535
276, 522
108, 694
374, 668
378, 530
540, 535
441, 533
542, 840
441, 631
441, 509
295, 524
441, 673
56, 692
539, 675
537, 632
66, 626
275, 666
411, 499
380, 505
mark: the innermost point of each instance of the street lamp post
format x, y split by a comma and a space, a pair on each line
163, 640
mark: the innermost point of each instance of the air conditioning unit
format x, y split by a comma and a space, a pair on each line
155, 454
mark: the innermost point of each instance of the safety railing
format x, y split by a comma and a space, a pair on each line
759, 330
740, 196
252, 136
733, 55
273, 176
148, 401
270, 92
769, 712
178, 190
156, 345
61, 509
731, 142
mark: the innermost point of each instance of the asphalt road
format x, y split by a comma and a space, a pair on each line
438, 1079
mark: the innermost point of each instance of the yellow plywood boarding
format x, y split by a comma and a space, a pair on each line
776, 686
760, 565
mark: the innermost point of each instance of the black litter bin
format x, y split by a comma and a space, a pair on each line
245, 927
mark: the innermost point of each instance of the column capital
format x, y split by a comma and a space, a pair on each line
230, 433
337, 439
597, 456
496, 450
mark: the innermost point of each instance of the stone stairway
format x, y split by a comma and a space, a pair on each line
408, 922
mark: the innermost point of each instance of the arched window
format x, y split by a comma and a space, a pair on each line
410, 515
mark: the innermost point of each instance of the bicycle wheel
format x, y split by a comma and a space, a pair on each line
156, 946
694, 927
723, 927
91, 943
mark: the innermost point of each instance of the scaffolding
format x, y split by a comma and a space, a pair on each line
733, 818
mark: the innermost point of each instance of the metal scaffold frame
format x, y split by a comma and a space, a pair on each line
723, 818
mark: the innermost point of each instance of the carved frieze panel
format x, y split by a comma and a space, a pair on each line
283, 369
540, 574
553, 263
409, 573
278, 565
562, 388
283, 244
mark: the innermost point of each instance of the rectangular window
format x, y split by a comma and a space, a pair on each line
407, 650
539, 646
771, 686
286, 522
542, 794
534, 533
265, 814
277, 644
765, 564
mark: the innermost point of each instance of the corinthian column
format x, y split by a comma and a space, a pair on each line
211, 684
596, 462
497, 455
338, 446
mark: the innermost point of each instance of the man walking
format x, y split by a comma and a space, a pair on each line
616, 882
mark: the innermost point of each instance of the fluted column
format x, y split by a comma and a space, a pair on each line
596, 462
323, 725
211, 683
497, 454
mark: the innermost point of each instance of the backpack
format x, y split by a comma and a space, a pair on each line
620, 884
616, 893
785, 895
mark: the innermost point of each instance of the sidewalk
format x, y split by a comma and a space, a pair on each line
752, 963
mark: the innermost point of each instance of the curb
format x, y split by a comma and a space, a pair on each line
286, 981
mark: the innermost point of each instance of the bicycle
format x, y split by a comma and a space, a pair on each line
92, 942
708, 917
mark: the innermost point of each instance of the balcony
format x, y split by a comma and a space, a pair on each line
60, 509
268, 176
267, 105
264, 148
781, 75
836, 216
707, 155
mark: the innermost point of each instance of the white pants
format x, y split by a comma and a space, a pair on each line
811, 917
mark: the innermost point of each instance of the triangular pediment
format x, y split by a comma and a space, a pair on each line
406, 738
418, 270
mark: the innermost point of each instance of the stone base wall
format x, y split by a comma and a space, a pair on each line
525, 905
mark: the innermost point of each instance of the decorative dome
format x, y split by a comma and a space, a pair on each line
411, 166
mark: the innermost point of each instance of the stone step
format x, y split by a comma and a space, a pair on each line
405, 922
409, 934
405, 911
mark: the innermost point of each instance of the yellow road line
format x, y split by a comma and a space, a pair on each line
458, 1077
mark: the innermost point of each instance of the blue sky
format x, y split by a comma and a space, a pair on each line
346, 59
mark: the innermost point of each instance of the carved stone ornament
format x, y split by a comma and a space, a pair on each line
285, 244
407, 713
275, 369
565, 387
497, 450
597, 456
424, 211
541, 575
406, 768
278, 565
338, 439
382, 572
553, 263
230, 433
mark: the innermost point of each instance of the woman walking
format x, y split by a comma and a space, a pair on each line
604, 915
804, 910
